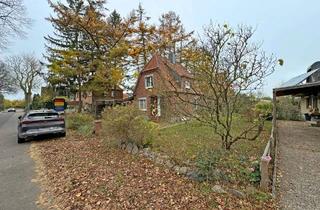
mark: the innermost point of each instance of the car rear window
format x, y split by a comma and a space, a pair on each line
43, 115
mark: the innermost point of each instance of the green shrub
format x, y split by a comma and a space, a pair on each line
219, 165
126, 124
264, 107
207, 162
288, 108
82, 123
255, 175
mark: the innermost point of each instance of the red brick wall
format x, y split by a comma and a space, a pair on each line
163, 84
142, 92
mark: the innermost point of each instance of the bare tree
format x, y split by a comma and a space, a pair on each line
26, 71
13, 20
227, 69
6, 80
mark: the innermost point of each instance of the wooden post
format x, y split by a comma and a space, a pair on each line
264, 170
97, 127
274, 144
274, 119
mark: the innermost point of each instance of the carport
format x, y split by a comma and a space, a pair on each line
304, 85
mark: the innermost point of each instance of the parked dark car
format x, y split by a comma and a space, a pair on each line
11, 110
40, 122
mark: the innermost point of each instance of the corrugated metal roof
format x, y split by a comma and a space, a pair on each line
298, 79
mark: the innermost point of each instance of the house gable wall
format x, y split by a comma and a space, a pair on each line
165, 82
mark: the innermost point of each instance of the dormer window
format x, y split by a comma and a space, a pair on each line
187, 85
148, 80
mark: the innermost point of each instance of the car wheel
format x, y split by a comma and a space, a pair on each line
20, 140
62, 135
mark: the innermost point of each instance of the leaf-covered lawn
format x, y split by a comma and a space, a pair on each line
81, 173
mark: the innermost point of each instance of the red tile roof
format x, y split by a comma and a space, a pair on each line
158, 61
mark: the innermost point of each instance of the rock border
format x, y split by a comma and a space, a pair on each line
186, 171
158, 159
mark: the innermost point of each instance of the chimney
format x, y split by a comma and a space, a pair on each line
172, 57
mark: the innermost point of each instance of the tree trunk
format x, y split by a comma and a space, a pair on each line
80, 101
27, 98
226, 144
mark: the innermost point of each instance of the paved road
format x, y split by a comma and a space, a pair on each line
299, 155
17, 192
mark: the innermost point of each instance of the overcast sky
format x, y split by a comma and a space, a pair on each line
287, 28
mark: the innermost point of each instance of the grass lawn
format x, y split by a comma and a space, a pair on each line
186, 141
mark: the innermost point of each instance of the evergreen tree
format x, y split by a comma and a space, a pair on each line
172, 36
143, 41
88, 50
65, 48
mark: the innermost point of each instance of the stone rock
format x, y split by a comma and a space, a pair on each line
129, 147
146, 149
191, 174
135, 149
169, 164
237, 193
150, 155
158, 160
218, 189
119, 144
181, 170
123, 146
195, 176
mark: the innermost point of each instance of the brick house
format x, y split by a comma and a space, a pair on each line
96, 102
157, 84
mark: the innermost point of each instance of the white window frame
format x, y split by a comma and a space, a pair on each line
146, 83
159, 106
187, 85
145, 102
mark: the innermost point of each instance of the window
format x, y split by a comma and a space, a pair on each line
112, 94
148, 81
143, 104
187, 85
195, 104
43, 115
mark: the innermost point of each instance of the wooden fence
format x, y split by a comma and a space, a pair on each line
268, 163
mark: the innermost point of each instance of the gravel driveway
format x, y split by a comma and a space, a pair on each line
299, 166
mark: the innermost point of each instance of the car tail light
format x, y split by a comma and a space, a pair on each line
26, 122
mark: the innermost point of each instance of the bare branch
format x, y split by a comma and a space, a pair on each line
26, 71
13, 21
229, 68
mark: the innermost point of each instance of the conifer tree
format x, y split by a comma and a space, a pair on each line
64, 48
143, 41
87, 51
172, 36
